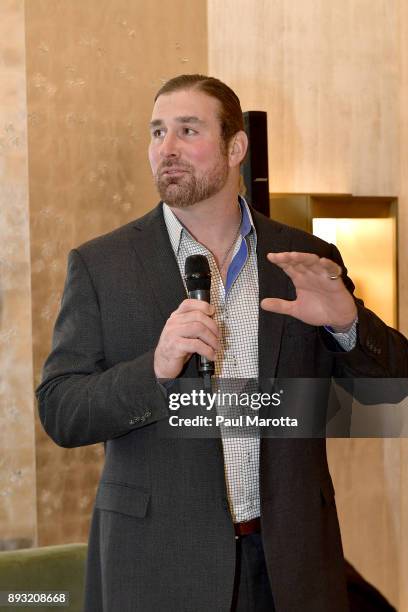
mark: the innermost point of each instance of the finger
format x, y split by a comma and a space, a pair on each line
294, 265
189, 304
199, 331
189, 346
301, 263
278, 306
195, 316
293, 258
330, 267
314, 269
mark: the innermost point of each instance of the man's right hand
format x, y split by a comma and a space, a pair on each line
189, 329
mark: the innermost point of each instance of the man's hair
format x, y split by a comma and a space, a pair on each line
230, 115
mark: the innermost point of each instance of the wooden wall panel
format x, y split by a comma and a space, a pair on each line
403, 562
403, 276
326, 73
93, 68
403, 167
373, 89
366, 474
291, 59
333, 78
17, 466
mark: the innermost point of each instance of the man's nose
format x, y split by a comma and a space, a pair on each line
169, 146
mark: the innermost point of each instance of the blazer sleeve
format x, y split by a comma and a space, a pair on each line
380, 351
81, 401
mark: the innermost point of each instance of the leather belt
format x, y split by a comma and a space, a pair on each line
247, 527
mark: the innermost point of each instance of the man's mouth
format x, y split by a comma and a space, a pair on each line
172, 171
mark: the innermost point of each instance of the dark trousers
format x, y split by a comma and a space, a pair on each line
252, 591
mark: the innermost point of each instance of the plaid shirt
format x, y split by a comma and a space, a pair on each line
236, 314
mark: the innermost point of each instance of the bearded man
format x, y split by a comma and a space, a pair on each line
199, 525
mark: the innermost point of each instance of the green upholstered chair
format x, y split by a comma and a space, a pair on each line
47, 568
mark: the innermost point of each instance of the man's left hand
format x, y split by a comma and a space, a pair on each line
320, 299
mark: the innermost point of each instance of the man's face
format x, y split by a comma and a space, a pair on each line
186, 152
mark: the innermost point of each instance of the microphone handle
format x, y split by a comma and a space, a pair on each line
204, 365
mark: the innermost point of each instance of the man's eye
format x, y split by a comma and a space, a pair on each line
158, 133
189, 131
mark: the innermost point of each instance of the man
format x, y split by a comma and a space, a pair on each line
205, 525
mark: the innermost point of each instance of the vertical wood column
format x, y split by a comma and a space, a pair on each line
403, 277
93, 68
17, 459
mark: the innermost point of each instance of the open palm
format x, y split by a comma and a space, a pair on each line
320, 299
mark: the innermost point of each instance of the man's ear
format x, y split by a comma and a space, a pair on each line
237, 148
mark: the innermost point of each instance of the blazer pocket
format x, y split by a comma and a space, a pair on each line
327, 491
125, 499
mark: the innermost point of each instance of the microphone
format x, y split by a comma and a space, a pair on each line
198, 280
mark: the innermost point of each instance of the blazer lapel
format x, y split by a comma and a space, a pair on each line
156, 256
273, 282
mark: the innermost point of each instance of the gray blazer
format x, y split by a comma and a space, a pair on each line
162, 537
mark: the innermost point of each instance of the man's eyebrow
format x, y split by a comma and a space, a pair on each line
189, 119
183, 119
155, 123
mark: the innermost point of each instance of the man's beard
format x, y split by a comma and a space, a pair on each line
188, 189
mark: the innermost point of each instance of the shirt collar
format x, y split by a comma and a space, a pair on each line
175, 229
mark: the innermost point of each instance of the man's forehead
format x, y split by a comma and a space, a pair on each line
185, 106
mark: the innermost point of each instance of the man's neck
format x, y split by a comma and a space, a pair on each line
212, 222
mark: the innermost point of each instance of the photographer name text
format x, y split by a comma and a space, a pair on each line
239, 421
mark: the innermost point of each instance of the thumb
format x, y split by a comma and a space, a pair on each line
277, 305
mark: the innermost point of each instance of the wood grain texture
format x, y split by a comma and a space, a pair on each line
17, 465
403, 277
292, 60
374, 92
403, 560
92, 71
326, 73
333, 78
366, 474
403, 168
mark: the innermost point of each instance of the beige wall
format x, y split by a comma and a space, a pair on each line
403, 165
17, 467
403, 285
328, 74
92, 70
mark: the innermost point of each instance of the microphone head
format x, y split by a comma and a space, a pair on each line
197, 273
